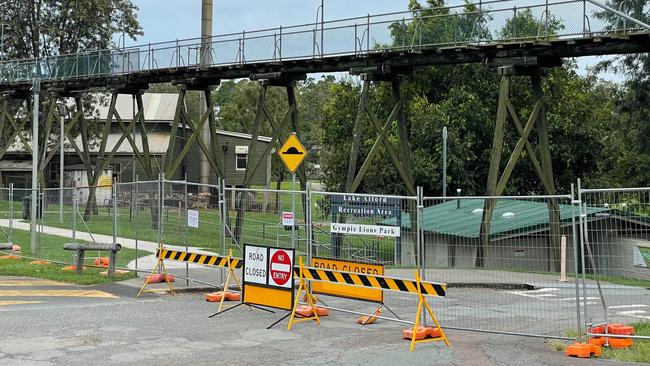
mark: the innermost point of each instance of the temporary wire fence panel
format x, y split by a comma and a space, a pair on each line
202, 217
508, 261
139, 219
502, 258
6, 211
366, 234
255, 216
616, 246
58, 213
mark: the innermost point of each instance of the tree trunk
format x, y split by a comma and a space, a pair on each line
91, 204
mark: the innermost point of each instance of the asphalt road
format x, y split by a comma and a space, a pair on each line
112, 327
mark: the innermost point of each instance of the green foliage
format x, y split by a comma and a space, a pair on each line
90, 276
238, 106
57, 27
640, 350
523, 24
436, 24
339, 116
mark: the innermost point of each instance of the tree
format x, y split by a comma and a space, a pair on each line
47, 28
629, 143
57, 27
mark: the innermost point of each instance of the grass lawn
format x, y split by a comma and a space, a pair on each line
90, 276
639, 352
261, 225
51, 247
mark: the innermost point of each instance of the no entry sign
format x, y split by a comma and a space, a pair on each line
268, 277
281, 268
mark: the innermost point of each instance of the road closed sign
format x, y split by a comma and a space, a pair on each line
255, 264
280, 268
268, 277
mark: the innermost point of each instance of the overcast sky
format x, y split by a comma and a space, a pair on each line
165, 20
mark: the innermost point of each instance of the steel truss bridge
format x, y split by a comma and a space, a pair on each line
380, 48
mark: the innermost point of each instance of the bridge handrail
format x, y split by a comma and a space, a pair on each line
237, 48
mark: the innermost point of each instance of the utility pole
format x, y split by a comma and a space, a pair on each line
206, 59
444, 161
62, 115
36, 89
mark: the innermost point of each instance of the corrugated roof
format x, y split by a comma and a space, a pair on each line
15, 166
510, 216
157, 107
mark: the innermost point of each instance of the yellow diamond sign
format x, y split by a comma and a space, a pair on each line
292, 153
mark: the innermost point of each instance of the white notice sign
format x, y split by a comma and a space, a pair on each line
255, 264
639, 261
360, 229
193, 218
288, 219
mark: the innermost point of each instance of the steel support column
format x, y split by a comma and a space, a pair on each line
497, 180
401, 160
279, 132
210, 148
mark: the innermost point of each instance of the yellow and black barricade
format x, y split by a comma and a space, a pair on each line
371, 281
417, 286
163, 274
356, 293
206, 259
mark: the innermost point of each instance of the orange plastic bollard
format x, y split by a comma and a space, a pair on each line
583, 350
70, 268
420, 334
214, 296
369, 319
159, 277
102, 262
10, 256
597, 341
620, 342
233, 296
620, 329
41, 262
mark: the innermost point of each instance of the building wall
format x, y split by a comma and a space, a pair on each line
233, 176
612, 243
526, 252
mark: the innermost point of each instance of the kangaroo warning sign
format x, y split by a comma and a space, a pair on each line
280, 269
268, 276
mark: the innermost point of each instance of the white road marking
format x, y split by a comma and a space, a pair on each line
581, 298
543, 294
628, 306
635, 314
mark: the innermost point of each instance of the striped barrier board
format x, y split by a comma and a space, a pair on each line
317, 274
371, 281
210, 260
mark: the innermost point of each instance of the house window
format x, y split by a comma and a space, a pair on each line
241, 157
54, 172
240, 161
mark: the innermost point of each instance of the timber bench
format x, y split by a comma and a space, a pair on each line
111, 248
6, 246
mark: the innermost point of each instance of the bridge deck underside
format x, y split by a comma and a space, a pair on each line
527, 52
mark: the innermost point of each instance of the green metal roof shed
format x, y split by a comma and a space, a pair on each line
510, 216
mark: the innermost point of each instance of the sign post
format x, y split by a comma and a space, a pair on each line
292, 153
